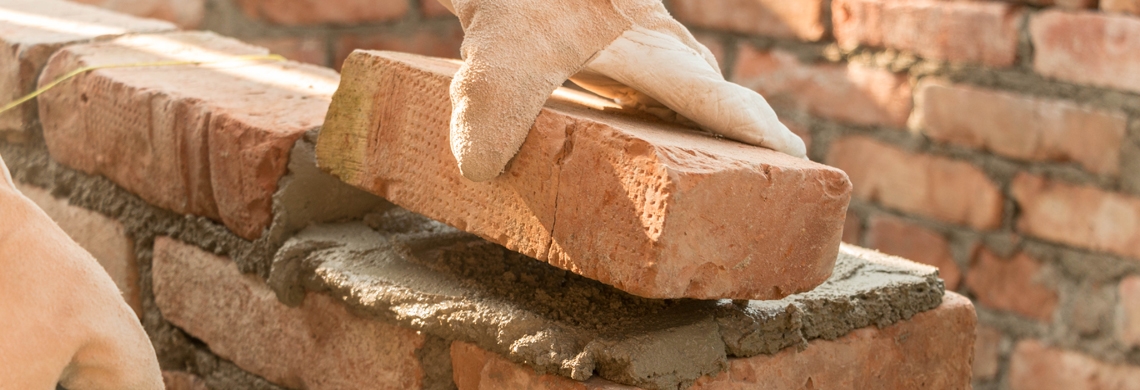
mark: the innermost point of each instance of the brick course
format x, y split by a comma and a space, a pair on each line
794, 19
987, 353
1081, 216
1035, 366
912, 242
1087, 48
1128, 311
1012, 284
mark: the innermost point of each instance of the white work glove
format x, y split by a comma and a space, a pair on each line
517, 52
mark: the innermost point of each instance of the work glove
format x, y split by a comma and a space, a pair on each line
517, 52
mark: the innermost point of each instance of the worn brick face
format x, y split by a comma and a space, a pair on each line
796, 19
313, 12
187, 14
850, 93
1034, 366
937, 187
1081, 216
907, 240
318, 345
1087, 48
1012, 284
1022, 127
979, 32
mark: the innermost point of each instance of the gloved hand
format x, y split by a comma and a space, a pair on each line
517, 52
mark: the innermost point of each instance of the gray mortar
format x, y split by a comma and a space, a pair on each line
424, 275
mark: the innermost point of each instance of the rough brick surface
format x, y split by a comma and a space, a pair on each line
106, 239
313, 12
1087, 48
1128, 311
1012, 284
849, 93
1081, 216
436, 41
941, 188
1022, 127
318, 345
1034, 366
210, 140
894, 236
178, 380
186, 14
797, 19
31, 30
476, 369
1123, 6
685, 215
979, 32
987, 353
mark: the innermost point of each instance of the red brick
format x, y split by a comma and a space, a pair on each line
310, 50
937, 187
852, 229
31, 30
987, 353
433, 8
1081, 216
178, 380
897, 237
846, 92
318, 345
798, 19
186, 14
429, 41
1034, 366
1021, 126
687, 215
1087, 48
209, 141
313, 12
475, 369
1122, 6
979, 32
1011, 284
1128, 311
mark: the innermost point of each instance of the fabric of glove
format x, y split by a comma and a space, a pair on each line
517, 52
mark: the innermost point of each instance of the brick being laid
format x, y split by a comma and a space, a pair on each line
651, 208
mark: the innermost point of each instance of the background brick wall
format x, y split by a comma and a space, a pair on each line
997, 140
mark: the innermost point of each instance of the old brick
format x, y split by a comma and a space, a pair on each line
314, 12
1128, 311
1034, 366
307, 49
436, 41
1087, 48
912, 242
987, 353
979, 32
178, 380
31, 30
433, 8
186, 14
105, 238
686, 215
945, 189
476, 369
846, 92
318, 345
797, 19
1081, 216
1122, 6
1021, 126
209, 140
1011, 284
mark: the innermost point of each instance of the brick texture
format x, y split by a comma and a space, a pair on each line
1081, 216
1087, 48
686, 215
987, 353
795, 19
476, 369
912, 242
1011, 284
1022, 127
435, 41
849, 93
979, 32
105, 238
315, 12
31, 30
1128, 311
1034, 366
186, 14
948, 190
318, 345
209, 141
1122, 6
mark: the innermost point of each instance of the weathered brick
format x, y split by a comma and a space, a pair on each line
945, 189
987, 353
979, 32
186, 14
204, 140
1011, 284
31, 30
900, 238
433, 8
686, 215
178, 380
314, 12
1034, 366
797, 19
1087, 48
105, 238
318, 345
1122, 6
1022, 127
307, 49
476, 369
1081, 216
1128, 311
436, 41
850, 93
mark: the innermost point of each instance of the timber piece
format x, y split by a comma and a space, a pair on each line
654, 209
